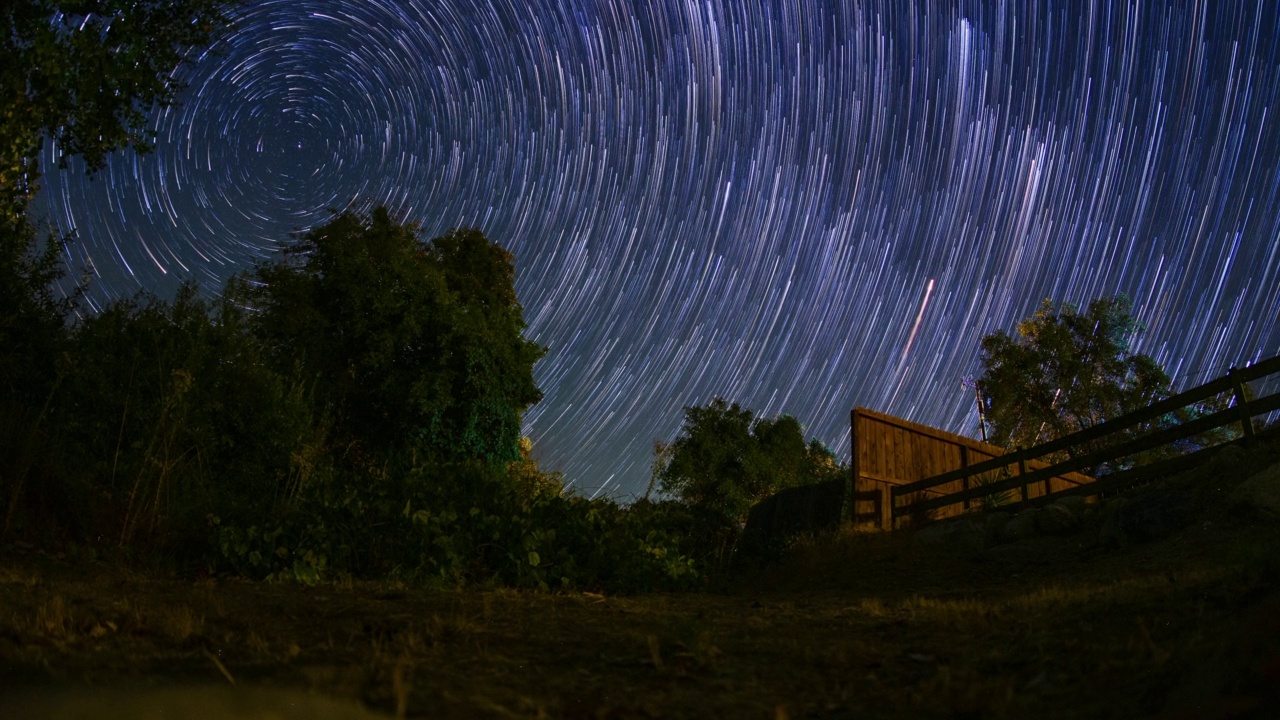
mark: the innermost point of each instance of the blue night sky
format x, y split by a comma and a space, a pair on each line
799, 206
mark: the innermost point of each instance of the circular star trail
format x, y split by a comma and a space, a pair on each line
799, 206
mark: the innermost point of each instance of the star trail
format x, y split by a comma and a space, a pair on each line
799, 206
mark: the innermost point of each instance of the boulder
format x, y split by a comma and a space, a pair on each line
1258, 496
1090, 517
1020, 527
1056, 519
1078, 505
1108, 520
1156, 515
962, 535
992, 523
1228, 460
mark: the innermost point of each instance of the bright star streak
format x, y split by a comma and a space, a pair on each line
741, 198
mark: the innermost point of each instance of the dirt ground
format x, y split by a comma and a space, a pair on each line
856, 626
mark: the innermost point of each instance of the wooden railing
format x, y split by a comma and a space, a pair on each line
1241, 411
888, 451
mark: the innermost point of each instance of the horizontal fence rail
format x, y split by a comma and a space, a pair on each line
1242, 411
888, 451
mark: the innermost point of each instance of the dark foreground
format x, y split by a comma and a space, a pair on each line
848, 627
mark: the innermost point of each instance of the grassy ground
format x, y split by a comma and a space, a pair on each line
844, 627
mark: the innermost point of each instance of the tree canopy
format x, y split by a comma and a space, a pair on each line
1065, 371
726, 459
412, 346
86, 73
242, 435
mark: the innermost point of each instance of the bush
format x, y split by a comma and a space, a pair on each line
458, 525
172, 415
197, 442
33, 336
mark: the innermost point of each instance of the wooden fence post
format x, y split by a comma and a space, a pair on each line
1246, 418
851, 491
1021, 452
964, 463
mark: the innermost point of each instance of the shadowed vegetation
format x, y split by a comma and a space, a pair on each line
317, 481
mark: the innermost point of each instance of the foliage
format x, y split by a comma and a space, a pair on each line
528, 480
1200, 441
1067, 371
414, 349
32, 325
458, 524
998, 498
87, 73
726, 459
351, 410
33, 337
217, 433
170, 410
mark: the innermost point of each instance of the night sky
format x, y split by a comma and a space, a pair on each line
800, 206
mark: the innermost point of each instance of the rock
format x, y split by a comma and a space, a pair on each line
1108, 518
960, 535
1090, 516
1228, 459
1156, 515
992, 523
1056, 519
1259, 496
1078, 505
1020, 527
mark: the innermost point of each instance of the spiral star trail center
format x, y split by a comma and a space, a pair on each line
796, 206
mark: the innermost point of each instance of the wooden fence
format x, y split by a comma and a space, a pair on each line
889, 453
1127, 435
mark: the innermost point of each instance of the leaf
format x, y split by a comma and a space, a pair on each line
305, 573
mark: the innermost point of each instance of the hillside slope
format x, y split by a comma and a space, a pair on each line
1082, 624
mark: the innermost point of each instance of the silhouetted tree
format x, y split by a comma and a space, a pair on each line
87, 72
725, 459
413, 347
84, 73
1067, 370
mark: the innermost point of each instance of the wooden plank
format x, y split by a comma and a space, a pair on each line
1128, 420
1131, 447
898, 458
884, 449
892, 466
854, 486
1176, 402
1264, 405
992, 465
1261, 369
1146, 442
1135, 476
886, 509
1102, 430
875, 441
878, 478
1242, 405
919, 429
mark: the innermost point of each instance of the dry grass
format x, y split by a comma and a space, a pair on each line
847, 625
